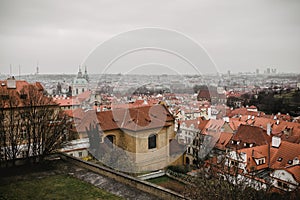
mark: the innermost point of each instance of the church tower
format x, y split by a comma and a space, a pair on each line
80, 83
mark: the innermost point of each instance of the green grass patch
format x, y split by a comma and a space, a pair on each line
159, 180
169, 183
53, 187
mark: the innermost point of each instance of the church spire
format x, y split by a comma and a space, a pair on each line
79, 73
86, 76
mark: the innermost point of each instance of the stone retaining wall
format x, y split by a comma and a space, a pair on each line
153, 189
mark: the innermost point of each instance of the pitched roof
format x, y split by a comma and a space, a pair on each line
84, 96
295, 171
213, 125
286, 152
253, 153
76, 113
17, 93
251, 135
223, 140
133, 119
67, 101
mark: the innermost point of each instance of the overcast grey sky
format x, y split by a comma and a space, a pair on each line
238, 35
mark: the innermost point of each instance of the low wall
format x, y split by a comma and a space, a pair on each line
124, 178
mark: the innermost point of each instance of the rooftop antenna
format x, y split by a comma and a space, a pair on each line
37, 68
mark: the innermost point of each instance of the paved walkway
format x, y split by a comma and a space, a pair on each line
109, 184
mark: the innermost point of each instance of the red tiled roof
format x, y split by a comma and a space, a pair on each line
190, 122
256, 153
18, 88
67, 101
84, 96
295, 171
76, 113
212, 125
134, 119
223, 140
250, 135
286, 151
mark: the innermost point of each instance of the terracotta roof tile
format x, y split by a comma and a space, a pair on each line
253, 153
67, 101
223, 140
17, 92
286, 152
250, 135
134, 119
295, 171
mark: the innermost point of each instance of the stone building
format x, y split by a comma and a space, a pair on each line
145, 133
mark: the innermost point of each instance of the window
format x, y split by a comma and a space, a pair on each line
234, 163
82, 89
23, 96
152, 142
261, 161
282, 185
80, 154
23, 134
109, 140
279, 159
76, 90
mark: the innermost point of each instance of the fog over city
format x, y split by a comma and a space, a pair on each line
240, 36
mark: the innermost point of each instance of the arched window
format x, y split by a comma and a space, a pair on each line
152, 141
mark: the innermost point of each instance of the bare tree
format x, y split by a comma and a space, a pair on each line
31, 124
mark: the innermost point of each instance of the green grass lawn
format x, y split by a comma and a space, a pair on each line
53, 187
168, 183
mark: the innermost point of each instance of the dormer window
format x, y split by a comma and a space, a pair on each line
290, 162
261, 161
279, 159
234, 142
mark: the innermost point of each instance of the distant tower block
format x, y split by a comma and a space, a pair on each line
37, 70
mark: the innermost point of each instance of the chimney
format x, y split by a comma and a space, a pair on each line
11, 83
276, 141
269, 130
296, 161
226, 119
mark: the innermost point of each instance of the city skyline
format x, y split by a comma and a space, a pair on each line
237, 36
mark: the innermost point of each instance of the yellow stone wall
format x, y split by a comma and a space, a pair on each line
136, 143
